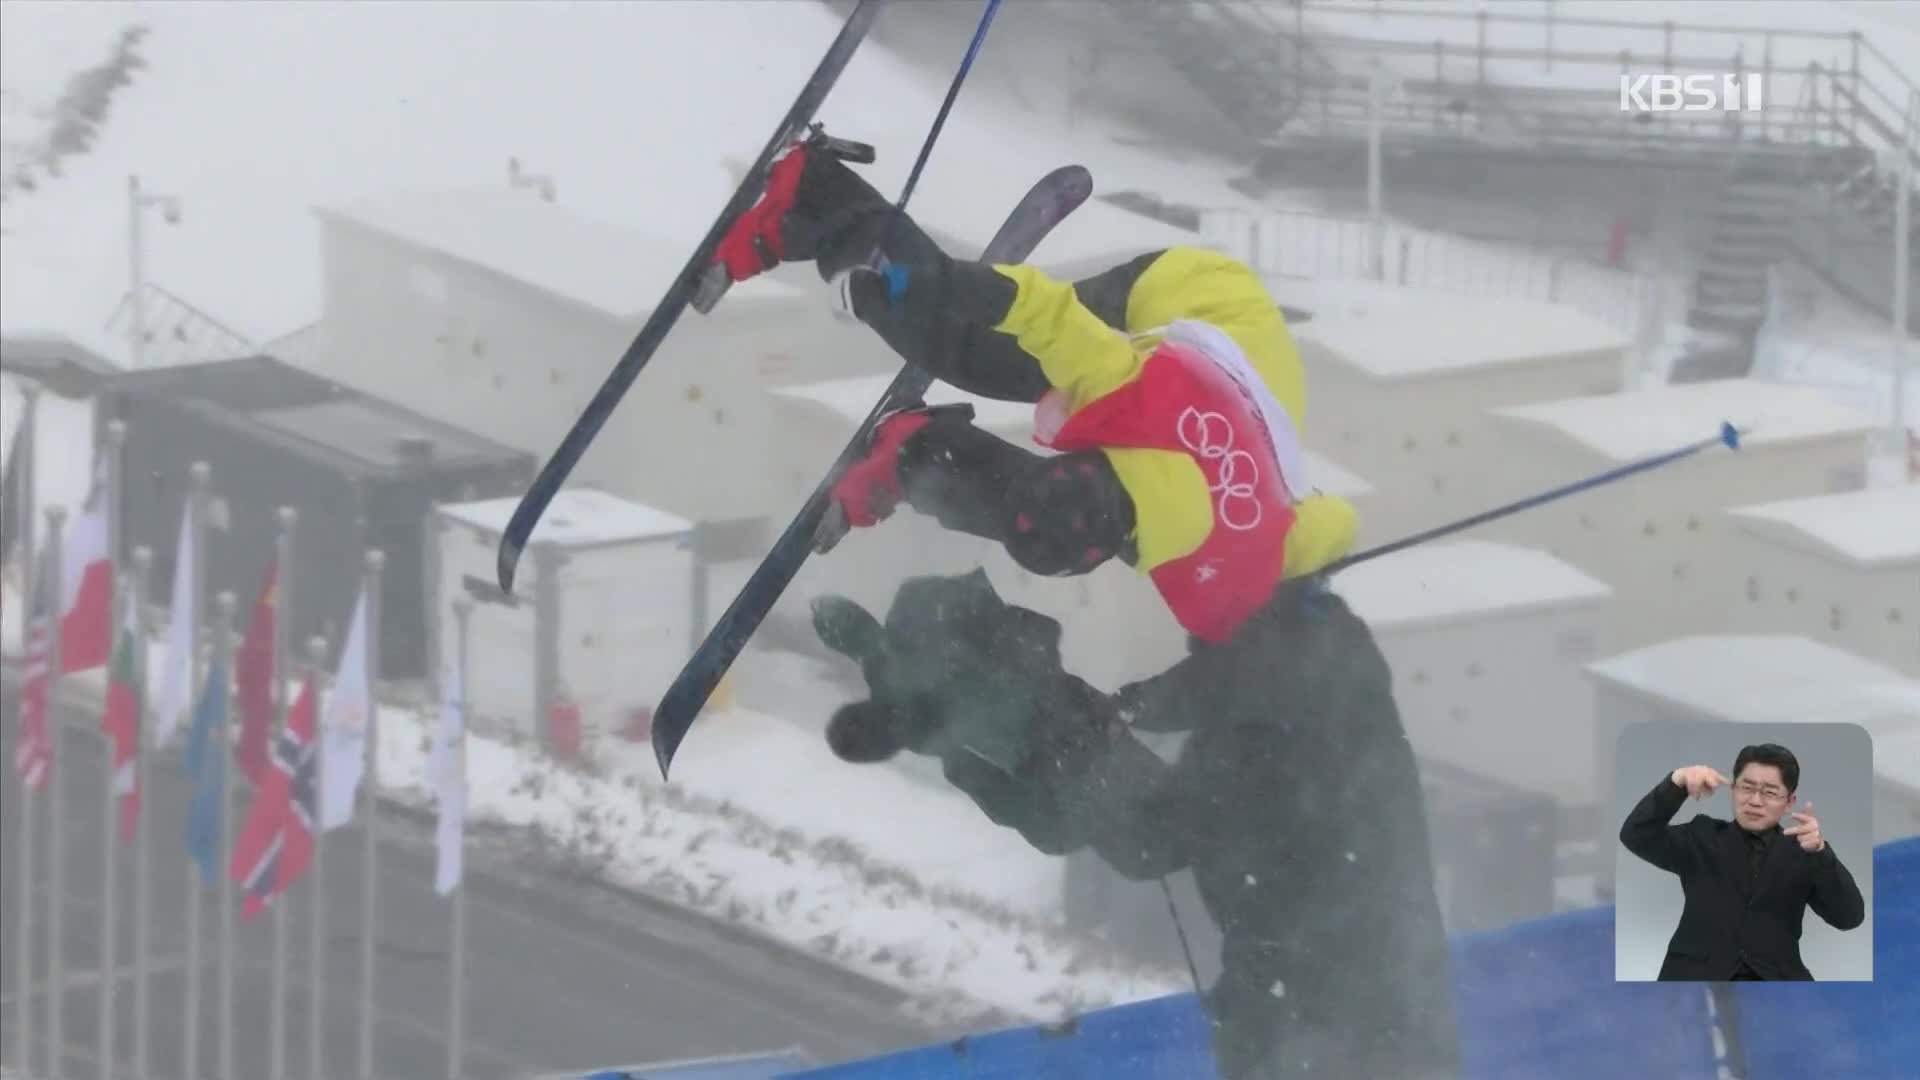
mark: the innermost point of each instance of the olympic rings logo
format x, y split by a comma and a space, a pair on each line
1210, 436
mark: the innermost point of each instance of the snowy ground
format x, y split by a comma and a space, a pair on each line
884, 879
903, 881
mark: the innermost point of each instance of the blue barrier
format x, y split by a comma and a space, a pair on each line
1797, 1031
1534, 999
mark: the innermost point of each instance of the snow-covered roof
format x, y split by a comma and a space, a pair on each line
577, 517
1873, 526
1383, 336
1639, 423
611, 268
1768, 678
1463, 579
853, 397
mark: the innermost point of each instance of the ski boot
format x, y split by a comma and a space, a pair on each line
757, 241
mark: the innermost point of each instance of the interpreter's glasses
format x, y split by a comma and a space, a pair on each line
1765, 792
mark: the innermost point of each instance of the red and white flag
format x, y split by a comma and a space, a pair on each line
275, 844
86, 592
126, 695
33, 739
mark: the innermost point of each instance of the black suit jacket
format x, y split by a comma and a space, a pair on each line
1725, 922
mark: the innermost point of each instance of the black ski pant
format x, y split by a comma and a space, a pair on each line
1055, 515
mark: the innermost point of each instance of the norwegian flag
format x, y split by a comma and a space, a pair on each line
276, 843
33, 746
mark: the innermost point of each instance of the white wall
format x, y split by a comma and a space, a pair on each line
1659, 538
518, 365
1781, 587
1424, 440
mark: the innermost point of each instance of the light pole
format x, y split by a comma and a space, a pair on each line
138, 202
1902, 269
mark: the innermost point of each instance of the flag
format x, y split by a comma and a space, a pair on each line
447, 773
33, 745
13, 489
254, 675
86, 593
183, 619
126, 692
276, 844
206, 767
344, 724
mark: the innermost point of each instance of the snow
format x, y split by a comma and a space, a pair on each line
611, 268
1639, 423
1448, 582
741, 836
577, 517
62, 466
1403, 335
253, 114
1874, 527
1768, 678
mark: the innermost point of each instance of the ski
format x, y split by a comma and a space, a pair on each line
685, 289
1044, 206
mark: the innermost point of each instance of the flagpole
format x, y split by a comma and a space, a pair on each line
28, 819
224, 607
369, 819
103, 1036
103, 1043
142, 836
277, 1063
457, 976
56, 816
29, 419
199, 480
317, 906
28, 823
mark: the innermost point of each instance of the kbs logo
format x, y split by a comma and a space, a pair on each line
1691, 93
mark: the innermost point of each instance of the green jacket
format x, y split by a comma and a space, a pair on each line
1295, 800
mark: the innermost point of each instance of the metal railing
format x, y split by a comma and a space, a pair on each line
1492, 70
1310, 244
177, 332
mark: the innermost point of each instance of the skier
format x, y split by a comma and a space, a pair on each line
1174, 392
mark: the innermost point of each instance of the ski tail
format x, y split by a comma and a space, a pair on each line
1046, 204
554, 473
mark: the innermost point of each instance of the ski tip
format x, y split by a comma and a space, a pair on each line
1730, 435
1080, 181
662, 752
507, 562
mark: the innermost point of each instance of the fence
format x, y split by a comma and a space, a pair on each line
1824, 87
1310, 244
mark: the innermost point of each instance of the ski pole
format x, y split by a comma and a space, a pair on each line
1729, 437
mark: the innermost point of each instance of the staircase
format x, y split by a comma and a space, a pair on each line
1807, 178
1752, 230
1242, 61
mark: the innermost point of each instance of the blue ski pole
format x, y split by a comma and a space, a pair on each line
1728, 437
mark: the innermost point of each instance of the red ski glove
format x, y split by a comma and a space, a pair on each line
870, 489
754, 244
